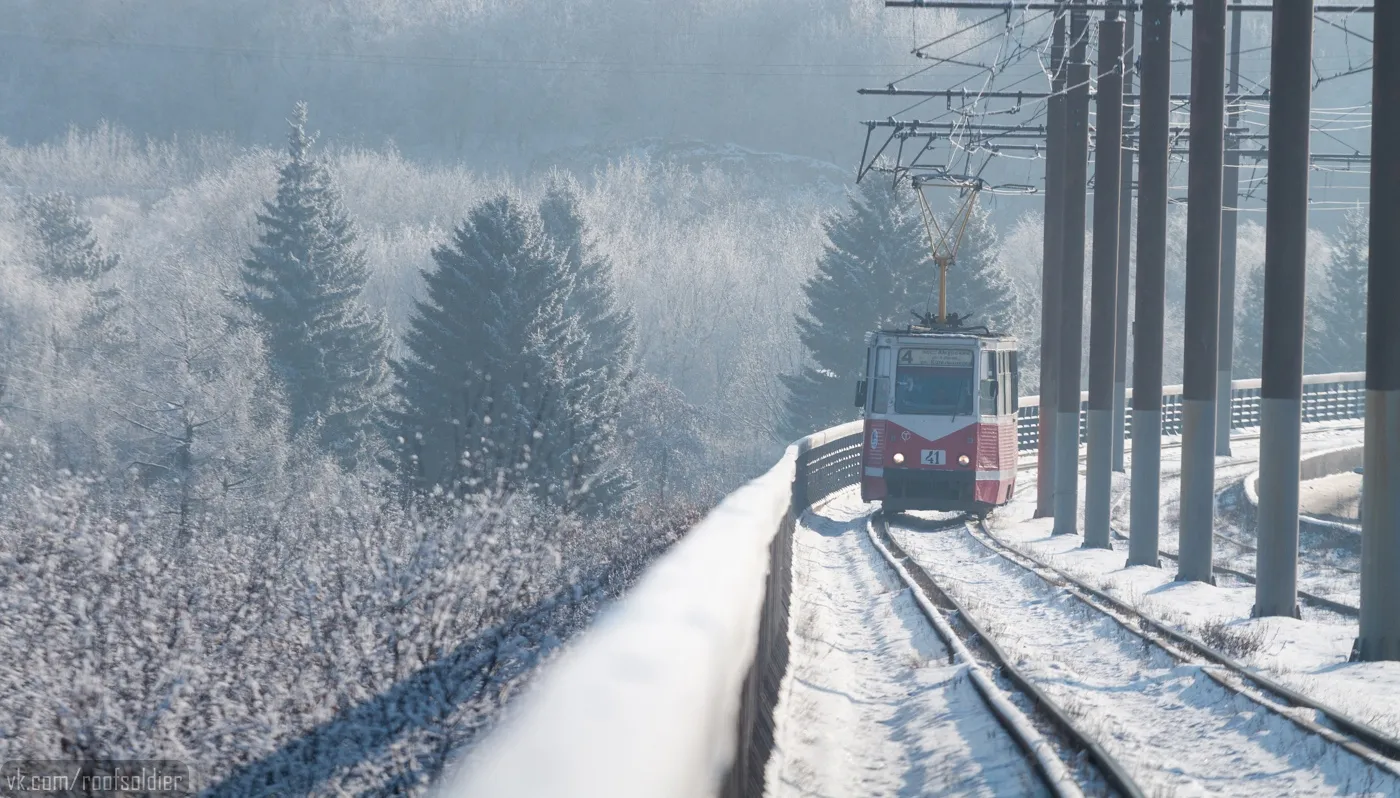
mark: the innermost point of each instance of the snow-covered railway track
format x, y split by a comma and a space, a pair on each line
1181, 717
1051, 740
873, 703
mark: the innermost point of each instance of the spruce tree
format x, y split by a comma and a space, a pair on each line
874, 270
489, 394
66, 248
609, 326
65, 251
1343, 347
1249, 328
304, 285
607, 344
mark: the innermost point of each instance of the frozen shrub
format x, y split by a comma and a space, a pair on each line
338, 643
1238, 642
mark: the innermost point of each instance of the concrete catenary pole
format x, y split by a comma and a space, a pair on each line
1072, 278
1125, 252
1285, 268
1380, 482
1153, 123
1203, 194
1229, 225
1103, 299
1051, 242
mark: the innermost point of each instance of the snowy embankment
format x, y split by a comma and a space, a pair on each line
1309, 655
870, 704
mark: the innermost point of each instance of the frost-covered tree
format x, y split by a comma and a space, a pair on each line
493, 392
664, 440
61, 270
66, 252
1343, 315
206, 423
65, 246
607, 342
874, 270
1249, 326
304, 284
607, 323
1249, 318
1020, 254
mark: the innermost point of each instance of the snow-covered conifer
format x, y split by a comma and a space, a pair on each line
608, 342
874, 270
486, 394
1343, 347
66, 252
1249, 327
1323, 271
304, 283
65, 246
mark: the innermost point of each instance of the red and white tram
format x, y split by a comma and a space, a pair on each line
940, 419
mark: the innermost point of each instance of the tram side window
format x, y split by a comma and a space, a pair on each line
880, 397
1005, 399
1014, 395
989, 400
1000, 384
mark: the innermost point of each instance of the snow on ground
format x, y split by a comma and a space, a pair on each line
1309, 655
870, 705
1171, 726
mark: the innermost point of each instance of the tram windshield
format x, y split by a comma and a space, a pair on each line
923, 390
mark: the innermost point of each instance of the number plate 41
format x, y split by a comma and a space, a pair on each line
933, 457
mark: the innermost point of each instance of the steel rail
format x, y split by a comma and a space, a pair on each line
922, 584
1369, 743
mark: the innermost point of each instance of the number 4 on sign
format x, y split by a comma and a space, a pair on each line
933, 457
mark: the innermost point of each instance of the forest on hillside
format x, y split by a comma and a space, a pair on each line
217, 419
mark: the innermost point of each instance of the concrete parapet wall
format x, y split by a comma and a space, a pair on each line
1324, 533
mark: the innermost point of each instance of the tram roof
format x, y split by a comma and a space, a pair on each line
945, 334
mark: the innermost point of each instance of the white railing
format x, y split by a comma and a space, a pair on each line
671, 693
1326, 397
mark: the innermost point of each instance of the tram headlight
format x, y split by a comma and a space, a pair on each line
898, 458
963, 460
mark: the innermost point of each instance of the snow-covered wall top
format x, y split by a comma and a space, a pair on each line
646, 704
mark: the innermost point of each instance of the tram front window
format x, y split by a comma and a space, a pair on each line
933, 391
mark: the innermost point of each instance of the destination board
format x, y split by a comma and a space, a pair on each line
948, 358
